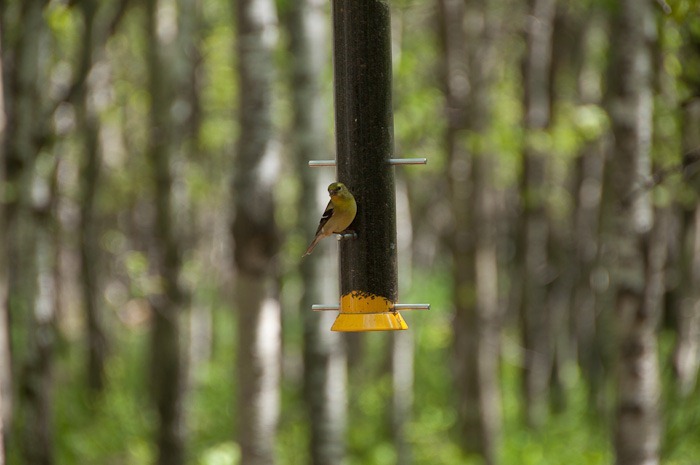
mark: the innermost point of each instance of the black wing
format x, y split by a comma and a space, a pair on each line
325, 217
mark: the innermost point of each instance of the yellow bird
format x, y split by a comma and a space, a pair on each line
339, 213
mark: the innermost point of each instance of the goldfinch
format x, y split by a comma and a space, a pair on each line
339, 213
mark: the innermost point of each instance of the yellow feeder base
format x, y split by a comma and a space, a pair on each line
367, 312
354, 322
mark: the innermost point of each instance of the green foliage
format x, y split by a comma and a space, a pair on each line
681, 414
575, 436
117, 427
219, 88
226, 453
417, 98
114, 428
63, 24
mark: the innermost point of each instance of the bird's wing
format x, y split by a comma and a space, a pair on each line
328, 212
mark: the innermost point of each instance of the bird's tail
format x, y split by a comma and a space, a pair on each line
313, 244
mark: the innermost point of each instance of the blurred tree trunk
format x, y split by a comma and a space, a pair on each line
168, 378
481, 406
588, 179
565, 66
325, 370
591, 302
5, 366
29, 253
188, 141
2, 434
402, 343
402, 349
468, 31
255, 235
631, 240
589, 346
88, 122
402, 376
36, 381
534, 228
455, 78
686, 353
95, 35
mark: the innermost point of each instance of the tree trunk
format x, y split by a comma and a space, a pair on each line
5, 366
2, 433
36, 382
402, 376
255, 235
168, 378
686, 353
587, 190
630, 239
88, 234
468, 73
325, 370
403, 342
483, 320
30, 298
588, 180
534, 228
456, 88
589, 174
258, 368
189, 142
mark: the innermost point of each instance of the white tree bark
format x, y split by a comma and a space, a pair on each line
325, 368
255, 236
629, 220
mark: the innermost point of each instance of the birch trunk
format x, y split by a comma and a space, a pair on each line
325, 369
631, 240
255, 235
686, 353
403, 342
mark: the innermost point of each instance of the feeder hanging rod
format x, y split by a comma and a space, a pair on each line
397, 307
392, 161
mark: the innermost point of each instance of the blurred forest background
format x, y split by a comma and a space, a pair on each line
156, 201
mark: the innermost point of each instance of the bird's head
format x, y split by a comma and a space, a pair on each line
337, 189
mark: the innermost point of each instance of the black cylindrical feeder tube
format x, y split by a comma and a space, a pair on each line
365, 142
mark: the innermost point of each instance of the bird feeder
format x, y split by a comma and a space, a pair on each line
365, 164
